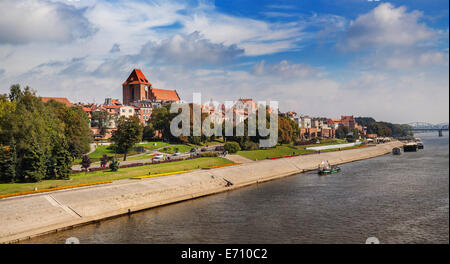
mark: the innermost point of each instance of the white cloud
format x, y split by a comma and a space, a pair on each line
284, 69
115, 48
33, 20
406, 59
386, 26
190, 49
257, 37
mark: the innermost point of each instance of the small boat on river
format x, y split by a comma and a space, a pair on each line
410, 147
396, 151
325, 168
419, 145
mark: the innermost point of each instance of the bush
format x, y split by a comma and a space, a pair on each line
114, 165
104, 160
85, 162
250, 146
232, 147
208, 154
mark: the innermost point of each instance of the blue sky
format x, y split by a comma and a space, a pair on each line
385, 59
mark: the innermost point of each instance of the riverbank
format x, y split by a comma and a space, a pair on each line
25, 217
108, 175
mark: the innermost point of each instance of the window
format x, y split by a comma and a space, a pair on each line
129, 110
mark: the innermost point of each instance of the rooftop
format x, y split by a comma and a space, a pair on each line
62, 100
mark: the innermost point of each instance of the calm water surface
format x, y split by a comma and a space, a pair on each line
398, 199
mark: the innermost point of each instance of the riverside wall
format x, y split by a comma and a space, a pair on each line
24, 217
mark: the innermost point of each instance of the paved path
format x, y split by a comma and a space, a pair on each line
237, 158
143, 160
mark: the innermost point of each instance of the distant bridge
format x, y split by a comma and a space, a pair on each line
424, 126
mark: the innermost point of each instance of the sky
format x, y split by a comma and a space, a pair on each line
384, 59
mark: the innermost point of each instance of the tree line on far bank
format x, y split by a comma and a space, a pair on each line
384, 129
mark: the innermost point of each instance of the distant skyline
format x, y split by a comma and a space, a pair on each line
385, 59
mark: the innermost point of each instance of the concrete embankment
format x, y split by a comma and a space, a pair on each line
28, 216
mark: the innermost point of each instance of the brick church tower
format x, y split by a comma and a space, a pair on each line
135, 88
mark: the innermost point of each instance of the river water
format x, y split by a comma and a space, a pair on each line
398, 199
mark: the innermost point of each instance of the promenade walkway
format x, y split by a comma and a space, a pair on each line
238, 158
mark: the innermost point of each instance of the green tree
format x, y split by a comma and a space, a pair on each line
232, 147
15, 93
287, 130
160, 121
100, 120
85, 162
104, 160
8, 163
129, 132
342, 132
149, 132
76, 127
62, 157
114, 165
37, 134
33, 167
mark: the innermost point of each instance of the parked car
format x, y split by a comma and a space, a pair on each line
218, 148
159, 157
203, 150
193, 150
176, 154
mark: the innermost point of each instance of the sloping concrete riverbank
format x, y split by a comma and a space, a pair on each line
28, 216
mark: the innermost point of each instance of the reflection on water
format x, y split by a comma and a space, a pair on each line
398, 199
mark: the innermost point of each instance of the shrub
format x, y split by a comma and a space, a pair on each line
104, 160
250, 146
232, 147
208, 154
85, 162
114, 165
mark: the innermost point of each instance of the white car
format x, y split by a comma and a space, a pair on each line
176, 154
159, 157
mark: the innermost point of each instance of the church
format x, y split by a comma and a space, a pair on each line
137, 88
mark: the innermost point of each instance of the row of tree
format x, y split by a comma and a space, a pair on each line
39, 140
384, 129
159, 127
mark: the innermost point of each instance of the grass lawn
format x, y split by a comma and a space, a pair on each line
139, 157
213, 143
181, 148
285, 150
124, 173
153, 145
100, 151
278, 151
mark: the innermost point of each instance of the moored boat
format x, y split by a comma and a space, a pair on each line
410, 147
325, 168
396, 151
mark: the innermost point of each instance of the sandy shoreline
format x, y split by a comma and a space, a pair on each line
29, 216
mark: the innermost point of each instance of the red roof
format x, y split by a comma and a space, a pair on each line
165, 95
62, 100
112, 106
137, 77
347, 118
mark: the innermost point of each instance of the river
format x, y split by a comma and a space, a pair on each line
398, 199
